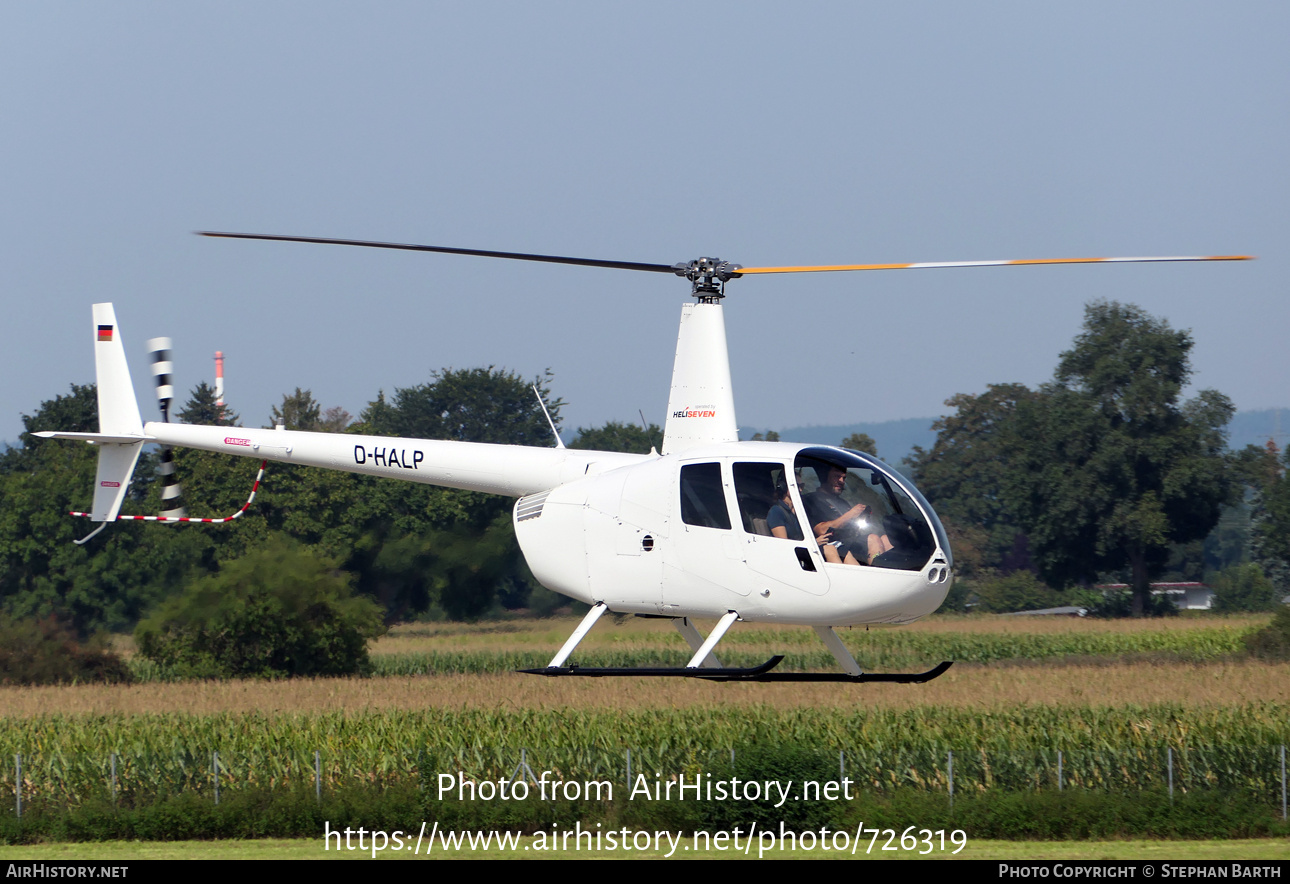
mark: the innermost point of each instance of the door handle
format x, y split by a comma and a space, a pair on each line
804, 559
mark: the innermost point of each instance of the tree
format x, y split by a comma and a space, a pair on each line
202, 409
107, 583
277, 611
46, 651
1019, 591
469, 405
1272, 642
768, 436
964, 476
1107, 468
77, 412
299, 411
1269, 538
615, 436
861, 442
468, 554
1243, 587
336, 420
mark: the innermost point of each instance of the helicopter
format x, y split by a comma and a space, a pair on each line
708, 527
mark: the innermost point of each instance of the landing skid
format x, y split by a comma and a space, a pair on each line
704, 663
754, 673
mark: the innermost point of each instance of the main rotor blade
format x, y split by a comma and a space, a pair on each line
409, 247
821, 268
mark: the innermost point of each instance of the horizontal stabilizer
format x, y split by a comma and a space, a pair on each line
96, 438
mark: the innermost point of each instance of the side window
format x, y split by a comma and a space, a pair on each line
703, 501
761, 489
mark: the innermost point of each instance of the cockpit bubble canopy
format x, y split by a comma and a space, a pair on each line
898, 530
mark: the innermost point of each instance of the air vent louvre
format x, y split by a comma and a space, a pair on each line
530, 507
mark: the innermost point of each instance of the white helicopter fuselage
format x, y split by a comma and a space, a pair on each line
623, 537
609, 527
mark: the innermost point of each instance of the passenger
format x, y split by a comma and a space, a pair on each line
782, 520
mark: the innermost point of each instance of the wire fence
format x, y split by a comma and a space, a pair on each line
71, 779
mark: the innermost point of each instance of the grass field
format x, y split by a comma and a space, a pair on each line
1191, 661
1102, 684
639, 642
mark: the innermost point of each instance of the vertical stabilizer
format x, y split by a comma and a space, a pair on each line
118, 416
118, 409
701, 408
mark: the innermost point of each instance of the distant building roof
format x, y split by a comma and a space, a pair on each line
1189, 596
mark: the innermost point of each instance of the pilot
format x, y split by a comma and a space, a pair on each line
834, 519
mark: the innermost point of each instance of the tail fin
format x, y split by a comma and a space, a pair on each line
118, 409
701, 407
120, 436
118, 415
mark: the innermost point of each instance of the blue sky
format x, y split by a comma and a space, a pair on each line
762, 133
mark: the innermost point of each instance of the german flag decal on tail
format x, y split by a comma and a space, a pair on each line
105, 333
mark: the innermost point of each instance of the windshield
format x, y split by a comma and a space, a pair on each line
866, 511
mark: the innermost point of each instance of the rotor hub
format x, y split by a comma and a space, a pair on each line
709, 276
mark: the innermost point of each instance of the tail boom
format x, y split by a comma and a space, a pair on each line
510, 470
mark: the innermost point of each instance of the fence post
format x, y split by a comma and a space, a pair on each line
1283, 781
318, 775
113, 760
1059, 770
17, 784
842, 766
950, 769
629, 768
1171, 774
215, 771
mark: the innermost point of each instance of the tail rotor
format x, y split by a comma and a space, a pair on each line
159, 354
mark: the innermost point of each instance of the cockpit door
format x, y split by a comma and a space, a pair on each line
775, 538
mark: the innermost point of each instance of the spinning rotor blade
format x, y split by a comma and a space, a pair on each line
409, 247
822, 268
709, 275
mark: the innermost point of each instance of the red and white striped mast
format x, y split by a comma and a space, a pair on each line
219, 381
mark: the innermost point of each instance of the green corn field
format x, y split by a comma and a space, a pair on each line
69, 759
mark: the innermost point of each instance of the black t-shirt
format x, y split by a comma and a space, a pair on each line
825, 506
